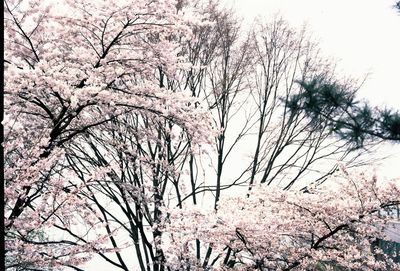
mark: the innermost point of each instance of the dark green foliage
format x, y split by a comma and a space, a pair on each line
334, 105
390, 248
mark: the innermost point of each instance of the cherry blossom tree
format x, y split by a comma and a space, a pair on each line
69, 72
331, 225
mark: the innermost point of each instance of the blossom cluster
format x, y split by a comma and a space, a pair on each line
334, 224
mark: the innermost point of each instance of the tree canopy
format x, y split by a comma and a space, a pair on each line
161, 135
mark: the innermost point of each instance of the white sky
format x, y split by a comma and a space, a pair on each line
361, 36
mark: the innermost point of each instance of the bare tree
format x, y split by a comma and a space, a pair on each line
227, 88
287, 144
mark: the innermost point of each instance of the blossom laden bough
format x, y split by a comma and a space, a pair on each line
334, 224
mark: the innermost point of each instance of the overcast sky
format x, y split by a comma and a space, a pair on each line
361, 36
